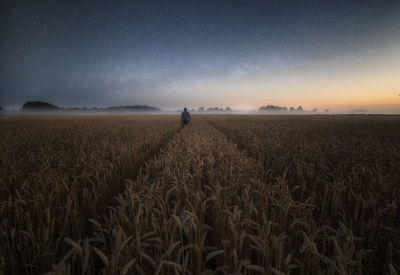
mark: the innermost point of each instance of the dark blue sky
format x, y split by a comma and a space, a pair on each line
173, 53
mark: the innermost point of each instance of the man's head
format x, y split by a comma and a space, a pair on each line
185, 109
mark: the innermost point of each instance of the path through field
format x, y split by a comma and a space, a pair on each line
215, 198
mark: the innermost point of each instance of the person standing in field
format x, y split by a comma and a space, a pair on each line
185, 117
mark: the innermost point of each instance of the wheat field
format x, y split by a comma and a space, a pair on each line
226, 194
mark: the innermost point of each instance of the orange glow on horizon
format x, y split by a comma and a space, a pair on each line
367, 81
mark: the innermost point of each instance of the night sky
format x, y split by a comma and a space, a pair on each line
169, 54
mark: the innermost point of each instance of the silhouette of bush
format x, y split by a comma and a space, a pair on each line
39, 105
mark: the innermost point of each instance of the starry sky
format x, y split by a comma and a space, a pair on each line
169, 54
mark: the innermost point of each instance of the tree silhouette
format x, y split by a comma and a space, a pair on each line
272, 108
39, 105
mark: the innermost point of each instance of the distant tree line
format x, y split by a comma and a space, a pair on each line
39, 105
44, 106
215, 109
273, 108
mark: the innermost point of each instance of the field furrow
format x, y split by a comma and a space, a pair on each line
58, 172
200, 206
343, 168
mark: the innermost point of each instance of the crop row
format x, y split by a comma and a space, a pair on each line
58, 172
345, 168
200, 207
